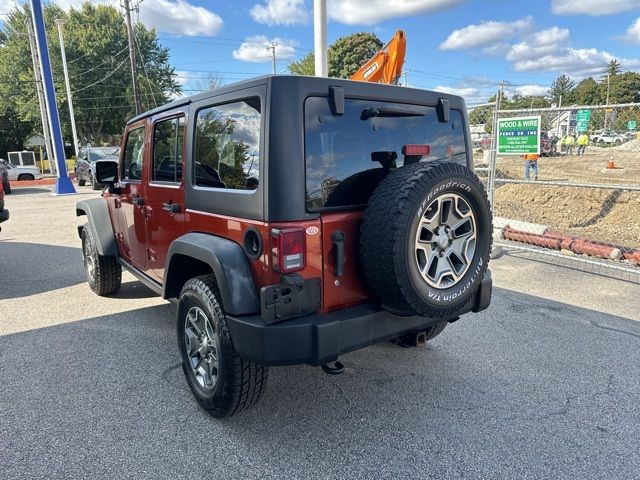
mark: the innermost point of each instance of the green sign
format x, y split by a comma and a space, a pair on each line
632, 125
582, 120
518, 136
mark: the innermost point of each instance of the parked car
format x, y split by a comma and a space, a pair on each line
4, 176
22, 172
630, 135
299, 219
4, 213
608, 137
86, 160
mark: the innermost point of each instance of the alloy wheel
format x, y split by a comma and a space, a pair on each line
445, 241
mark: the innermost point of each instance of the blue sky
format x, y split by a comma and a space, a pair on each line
462, 46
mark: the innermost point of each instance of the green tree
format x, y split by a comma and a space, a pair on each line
588, 92
613, 68
345, 56
97, 53
561, 90
624, 88
13, 131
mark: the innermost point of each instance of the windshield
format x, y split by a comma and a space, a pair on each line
348, 155
98, 153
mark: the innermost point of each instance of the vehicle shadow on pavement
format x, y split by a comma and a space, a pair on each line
526, 380
17, 190
28, 268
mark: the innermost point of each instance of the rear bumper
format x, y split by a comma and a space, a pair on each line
322, 338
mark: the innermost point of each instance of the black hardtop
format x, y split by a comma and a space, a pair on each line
311, 86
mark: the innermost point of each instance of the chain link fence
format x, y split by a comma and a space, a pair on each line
579, 203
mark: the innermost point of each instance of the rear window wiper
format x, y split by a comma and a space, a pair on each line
368, 113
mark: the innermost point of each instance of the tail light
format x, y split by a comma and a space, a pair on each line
288, 250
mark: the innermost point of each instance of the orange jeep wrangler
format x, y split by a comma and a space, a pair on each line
293, 219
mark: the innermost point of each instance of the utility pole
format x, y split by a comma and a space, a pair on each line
606, 110
63, 184
320, 37
46, 126
406, 82
132, 56
60, 23
272, 46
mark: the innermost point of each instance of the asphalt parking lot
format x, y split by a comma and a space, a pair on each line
544, 384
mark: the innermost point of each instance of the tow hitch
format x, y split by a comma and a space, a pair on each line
411, 339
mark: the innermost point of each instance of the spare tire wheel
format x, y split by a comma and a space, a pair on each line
425, 239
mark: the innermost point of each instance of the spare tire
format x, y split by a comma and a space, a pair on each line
425, 239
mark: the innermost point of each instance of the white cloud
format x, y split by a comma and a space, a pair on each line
254, 49
179, 17
485, 34
593, 7
632, 35
539, 44
369, 12
532, 90
6, 6
280, 12
584, 61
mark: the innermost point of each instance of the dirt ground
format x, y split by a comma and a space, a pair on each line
604, 215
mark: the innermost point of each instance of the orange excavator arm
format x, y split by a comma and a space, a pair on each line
386, 65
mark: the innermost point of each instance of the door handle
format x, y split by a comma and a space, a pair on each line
137, 201
337, 238
172, 208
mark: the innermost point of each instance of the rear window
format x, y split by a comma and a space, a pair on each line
348, 155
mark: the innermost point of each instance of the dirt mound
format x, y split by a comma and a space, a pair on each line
633, 145
597, 214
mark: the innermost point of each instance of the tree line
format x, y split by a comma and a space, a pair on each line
98, 62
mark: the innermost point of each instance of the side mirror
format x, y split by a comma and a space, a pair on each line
106, 172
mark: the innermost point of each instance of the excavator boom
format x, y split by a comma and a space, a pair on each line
386, 65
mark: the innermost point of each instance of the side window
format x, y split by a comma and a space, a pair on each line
227, 146
133, 154
167, 150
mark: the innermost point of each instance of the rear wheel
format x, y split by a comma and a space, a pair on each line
425, 239
222, 381
104, 274
81, 181
6, 187
25, 177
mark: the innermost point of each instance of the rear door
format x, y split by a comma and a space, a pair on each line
347, 156
164, 194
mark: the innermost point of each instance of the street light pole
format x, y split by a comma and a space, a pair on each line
60, 23
132, 55
320, 37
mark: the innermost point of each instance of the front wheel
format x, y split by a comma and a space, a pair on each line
26, 177
104, 274
222, 381
6, 187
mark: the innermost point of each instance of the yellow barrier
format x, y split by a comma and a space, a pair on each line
44, 165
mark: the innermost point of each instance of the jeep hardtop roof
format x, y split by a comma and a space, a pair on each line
319, 85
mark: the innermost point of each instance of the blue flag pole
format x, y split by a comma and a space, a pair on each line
63, 182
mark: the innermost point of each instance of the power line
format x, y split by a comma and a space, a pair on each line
113, 57
102, 79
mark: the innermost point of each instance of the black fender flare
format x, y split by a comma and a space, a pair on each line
99, 222
229, 264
